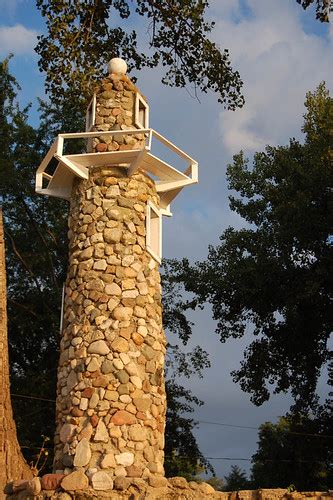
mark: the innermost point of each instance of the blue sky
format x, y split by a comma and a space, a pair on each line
281, 52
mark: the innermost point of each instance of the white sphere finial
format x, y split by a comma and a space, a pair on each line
118, 66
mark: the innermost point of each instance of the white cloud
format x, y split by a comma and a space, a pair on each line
17, 40
278, 62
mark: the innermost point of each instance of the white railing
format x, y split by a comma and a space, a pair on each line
72, 161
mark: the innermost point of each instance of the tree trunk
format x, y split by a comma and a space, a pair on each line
12, 464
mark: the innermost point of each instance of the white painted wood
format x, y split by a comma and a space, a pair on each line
161, 169
141, 112
60, 145
172, 146
77, 169
103, 159
135, 165
97, 133
46, 160
169, 181
165, 186
91, 114
166, 211
168, 197
154, 231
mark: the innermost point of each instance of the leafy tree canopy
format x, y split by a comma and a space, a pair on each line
236, 480
276, 273
322, 8
295, 451
82, 37
182, 454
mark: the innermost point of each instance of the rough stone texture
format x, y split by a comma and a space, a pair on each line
77, 480
158, 488
101, 481
111, 398
51, 481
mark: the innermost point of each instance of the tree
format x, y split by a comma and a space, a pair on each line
182, 454
295, 451
12, 463
276, 273
323, 8
35, 230
217, 483
236, 480
81, 40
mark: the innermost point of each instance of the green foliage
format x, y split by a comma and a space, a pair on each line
296, 451
83, 36
276, 273
217, 483
236, 480
322, 8
36, 249
182, 454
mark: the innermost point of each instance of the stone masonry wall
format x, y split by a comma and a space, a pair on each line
111, 399
176, 488
115, 110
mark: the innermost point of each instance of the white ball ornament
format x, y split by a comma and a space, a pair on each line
117, 66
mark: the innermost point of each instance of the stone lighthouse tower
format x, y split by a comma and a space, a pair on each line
111, 401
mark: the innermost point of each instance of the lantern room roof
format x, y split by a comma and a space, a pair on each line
56, 173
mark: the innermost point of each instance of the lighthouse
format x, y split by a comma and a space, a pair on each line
111, 402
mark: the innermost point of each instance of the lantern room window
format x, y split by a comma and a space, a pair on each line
141, 117
154, 231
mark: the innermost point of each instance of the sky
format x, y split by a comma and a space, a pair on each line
281, 52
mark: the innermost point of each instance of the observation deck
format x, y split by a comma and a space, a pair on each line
56, 173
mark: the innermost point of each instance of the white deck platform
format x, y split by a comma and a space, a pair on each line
56, 173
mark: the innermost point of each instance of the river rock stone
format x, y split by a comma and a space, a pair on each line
134, 471
178, 482
98, 347
125, 459
142, 404
112, 235
51, 481
157, 481
120, 345
107, 366
113, 289
121, 483
101, 434
108, 461
122, 313
67, 432
123, 417
83, 453
101, 481
122, 376
77, 480
137, 433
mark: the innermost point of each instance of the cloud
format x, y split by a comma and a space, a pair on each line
17, 40
278, 62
